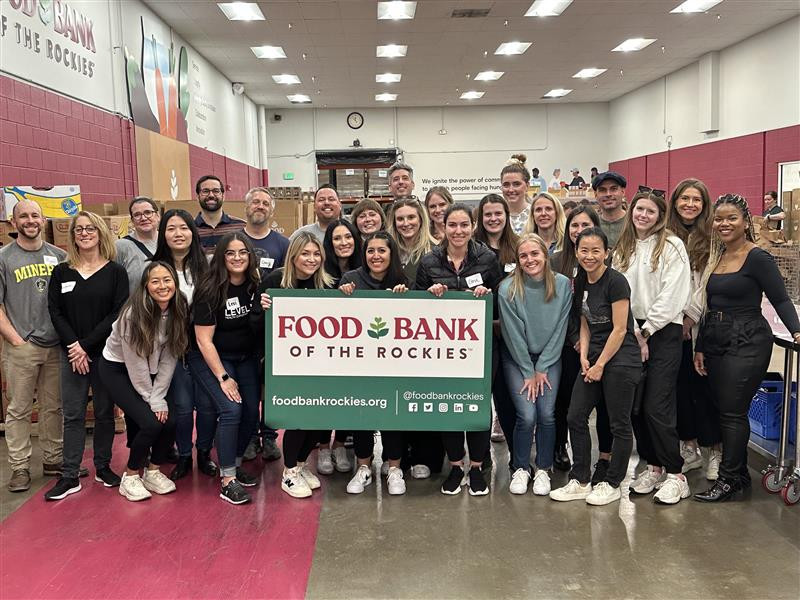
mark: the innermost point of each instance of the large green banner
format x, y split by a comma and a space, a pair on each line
378, 360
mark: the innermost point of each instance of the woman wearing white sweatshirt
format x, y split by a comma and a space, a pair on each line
656, 265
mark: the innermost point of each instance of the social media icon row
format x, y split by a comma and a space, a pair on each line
442, 407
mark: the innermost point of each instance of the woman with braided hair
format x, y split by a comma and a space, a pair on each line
735, 342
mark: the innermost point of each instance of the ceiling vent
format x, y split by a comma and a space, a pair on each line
470, 13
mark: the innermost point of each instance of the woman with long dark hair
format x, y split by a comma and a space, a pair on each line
138, 360
179, 247
460, 263
302, 270
84, 297
698, 421
342, 244
735, 342
225, 365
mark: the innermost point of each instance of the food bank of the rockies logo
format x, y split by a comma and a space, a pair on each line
402, 328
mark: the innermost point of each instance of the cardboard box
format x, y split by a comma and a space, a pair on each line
56, 201
795, 205
119, 225
60, 228
287, 217
791, 226
6, 228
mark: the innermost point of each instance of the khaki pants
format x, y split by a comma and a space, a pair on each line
26, 368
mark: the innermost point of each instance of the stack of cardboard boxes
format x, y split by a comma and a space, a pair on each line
791, 208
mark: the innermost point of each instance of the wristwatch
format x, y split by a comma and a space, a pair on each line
645, 333
224, 377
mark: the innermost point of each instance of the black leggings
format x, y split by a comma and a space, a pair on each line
477, 442
698, 419
503, 404
151, 436
339, 436
393, 444
570, 368
298, 444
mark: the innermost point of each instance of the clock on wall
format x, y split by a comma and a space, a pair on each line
355, 120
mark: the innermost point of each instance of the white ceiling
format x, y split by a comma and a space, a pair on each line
339, 38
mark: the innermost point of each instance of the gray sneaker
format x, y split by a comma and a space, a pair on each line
271, 451
252, 449
20, 481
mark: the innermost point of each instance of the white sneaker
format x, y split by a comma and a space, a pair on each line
158, 483
646, 481
714, 460
541, 483
602, 494
132, 488
324, 461
360, 480
519, 482
692, 459
341, 461
395, 482
674, 490
311, 479
293, 483
420, 472
574, 490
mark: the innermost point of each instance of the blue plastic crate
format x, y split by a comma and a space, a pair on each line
766, 409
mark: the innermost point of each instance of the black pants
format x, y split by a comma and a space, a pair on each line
737, 351
617, 388
325, 436
298, 444
151, 436
393, 444
655, 421
477, 442
570, 368
503, 404
423, 448
698, 419
605, 439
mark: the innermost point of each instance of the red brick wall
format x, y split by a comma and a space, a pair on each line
746, 165
47, 139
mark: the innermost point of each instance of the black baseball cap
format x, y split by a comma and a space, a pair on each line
613, 176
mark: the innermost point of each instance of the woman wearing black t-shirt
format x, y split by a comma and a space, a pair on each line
611, 367
303, 270
735, 342
460, 263
226, 367
380, 270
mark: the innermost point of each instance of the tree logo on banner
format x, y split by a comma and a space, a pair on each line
377, 328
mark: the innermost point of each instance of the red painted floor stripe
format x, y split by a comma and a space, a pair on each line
189, 544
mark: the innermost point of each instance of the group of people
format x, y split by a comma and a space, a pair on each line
645, 309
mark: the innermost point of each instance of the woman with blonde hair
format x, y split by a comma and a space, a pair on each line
656, 266
84, 297
437, 201
534, 305
547, 220
408, 224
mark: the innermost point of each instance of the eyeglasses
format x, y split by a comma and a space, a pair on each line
215, 191
643, 189
145, 214
88, 229
237, 253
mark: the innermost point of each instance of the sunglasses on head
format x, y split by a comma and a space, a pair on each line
643, 189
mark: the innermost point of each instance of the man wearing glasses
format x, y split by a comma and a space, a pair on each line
136, 248
609, 191
212, 221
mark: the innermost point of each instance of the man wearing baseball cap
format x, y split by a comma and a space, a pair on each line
609, 191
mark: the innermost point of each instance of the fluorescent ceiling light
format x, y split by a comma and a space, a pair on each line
385, 97
547, 8
268, 51
588, 73
488, 76
387, 77
556, 93
396, 10
286, 79
472, 95
390, 51
633, 45
299, 99
695, 6
509, 48
241, 11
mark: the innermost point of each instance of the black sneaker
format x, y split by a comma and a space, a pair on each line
477, 484
600, 471
234, 493
252, 450
245, 478
561, 459
452, 485
63, 488
107, 477
172, 455
270, 451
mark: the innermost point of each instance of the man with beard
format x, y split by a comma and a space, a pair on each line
136, 248
212, 222
609, 191
31, 354
401, 180
327, 208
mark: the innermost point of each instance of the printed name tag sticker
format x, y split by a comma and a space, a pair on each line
50, 261
67, 286
266, 263
474, 280
232, 304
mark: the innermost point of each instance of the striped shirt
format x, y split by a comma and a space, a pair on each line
210, 236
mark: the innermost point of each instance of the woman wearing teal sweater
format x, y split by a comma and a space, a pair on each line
534, 307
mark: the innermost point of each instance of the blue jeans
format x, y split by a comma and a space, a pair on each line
539, 415
237, 420
186, 397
